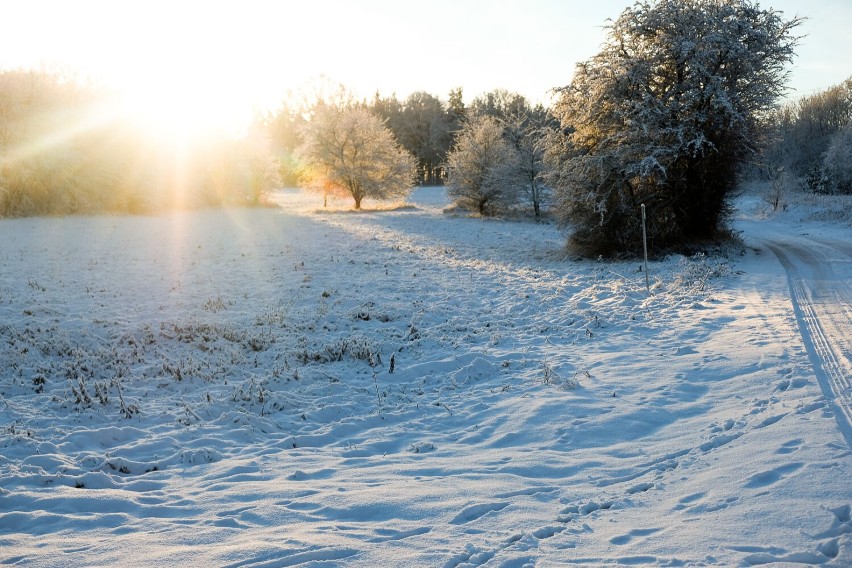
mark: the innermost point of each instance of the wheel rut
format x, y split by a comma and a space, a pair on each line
821, 300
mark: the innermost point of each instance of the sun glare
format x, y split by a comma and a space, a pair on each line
183, 110
198, 77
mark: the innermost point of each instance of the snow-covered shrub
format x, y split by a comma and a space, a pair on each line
779, 183
354, 347
697, 270
837, 163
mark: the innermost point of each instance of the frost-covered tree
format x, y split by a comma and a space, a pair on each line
800, 132
500, 104
526, 128
516, 171
480, 169
663, 115
349, 149
837, 163
283, 127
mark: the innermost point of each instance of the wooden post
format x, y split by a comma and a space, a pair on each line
645, 248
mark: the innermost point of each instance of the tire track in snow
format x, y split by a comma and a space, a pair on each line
821, 302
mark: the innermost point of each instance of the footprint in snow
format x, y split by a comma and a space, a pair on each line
771, 420
771, 476
790, 446
689, 500
808, 408
788, 384
474, 512
640, 488
386, 535
827, 551
719, 441
841, 525
624, 539
574, 512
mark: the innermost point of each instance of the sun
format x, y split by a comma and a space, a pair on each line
181, 106
198, 74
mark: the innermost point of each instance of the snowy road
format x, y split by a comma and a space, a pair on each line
818, 271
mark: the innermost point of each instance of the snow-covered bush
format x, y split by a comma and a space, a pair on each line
837, 163
697, 270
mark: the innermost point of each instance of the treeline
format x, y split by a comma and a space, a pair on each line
65, 149
809, 141
423, 124
489, 154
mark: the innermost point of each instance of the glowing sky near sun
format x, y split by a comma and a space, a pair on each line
229, 58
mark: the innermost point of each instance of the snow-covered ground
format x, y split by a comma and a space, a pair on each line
298, 387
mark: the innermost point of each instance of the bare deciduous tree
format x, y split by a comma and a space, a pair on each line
526, 128
348, 148
480, 169
779, 180
799, 133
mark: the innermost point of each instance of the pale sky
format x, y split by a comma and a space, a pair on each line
238, 54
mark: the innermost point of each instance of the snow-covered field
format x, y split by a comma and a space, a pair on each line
297, 387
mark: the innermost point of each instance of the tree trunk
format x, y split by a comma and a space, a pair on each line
357, 202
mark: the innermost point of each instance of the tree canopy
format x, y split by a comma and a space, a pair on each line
425, 126
348, 148
480, 169
801, 132
663, 115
